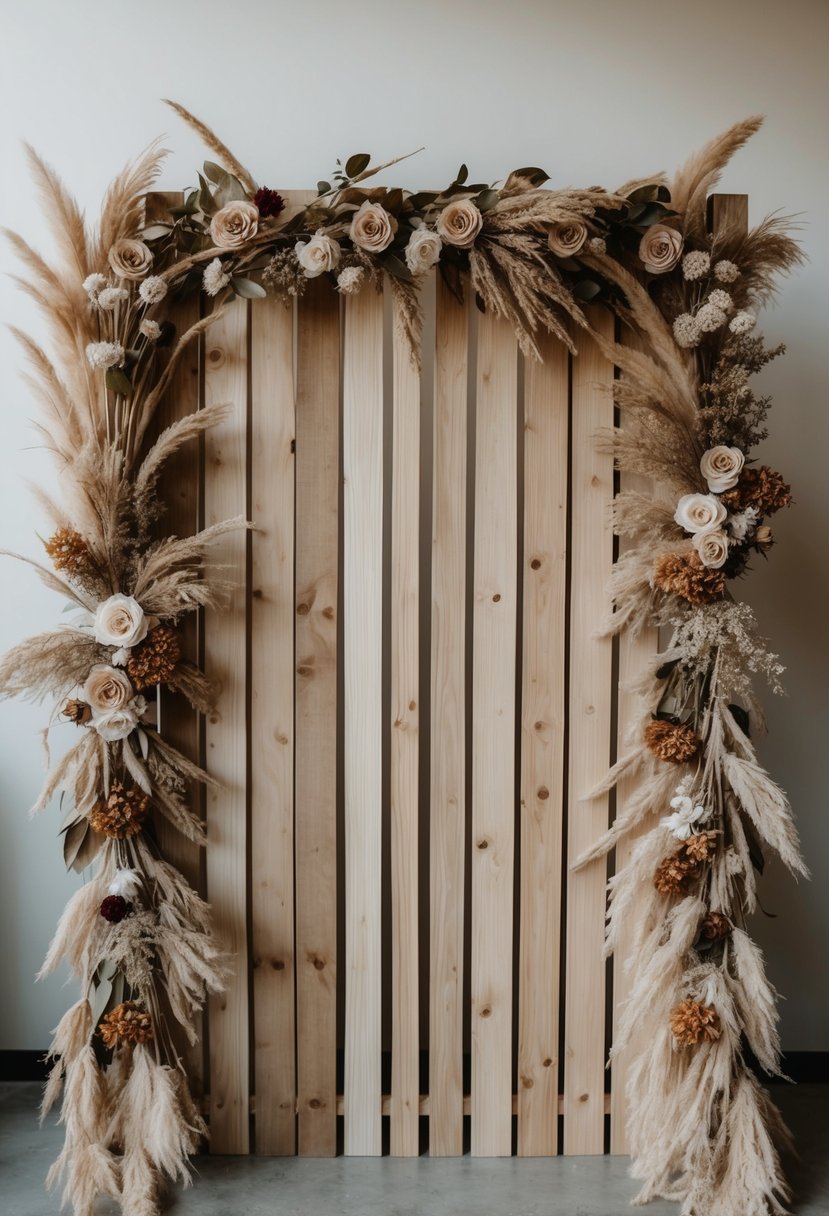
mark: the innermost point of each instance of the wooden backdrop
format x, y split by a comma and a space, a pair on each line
413, 702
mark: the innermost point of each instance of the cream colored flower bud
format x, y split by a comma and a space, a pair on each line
712, 548
107, 688
423, 250
660, 249
120, 621
565, 240
130, 259
699, 513
372, 228
459, 223
234, 225
721, 468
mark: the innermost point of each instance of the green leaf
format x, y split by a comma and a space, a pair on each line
741, 717
526, 179
215, 173
652, 214
463, 174
487, 199
118, 382
586, 289
246, 288
394, 265
357, 163
155, 231
99, 999
393, 200
230, 191
323, 187
81, 845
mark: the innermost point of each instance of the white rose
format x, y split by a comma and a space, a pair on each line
423, 250
660, 249
712, 548
372, 228
130, 259
120, 621
318, 255
116, 724
699, 512
107, 688
565, 240
459, 223
721, 467
234, 224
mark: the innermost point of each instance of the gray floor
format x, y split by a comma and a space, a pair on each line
249, 1186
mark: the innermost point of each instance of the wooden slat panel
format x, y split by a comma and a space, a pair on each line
590, 703
363, 727
317, 515
272, 725
225, 496
448, 729
405, 714
493, 737
546, 399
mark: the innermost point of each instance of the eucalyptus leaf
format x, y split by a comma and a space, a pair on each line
487, 199
215, 173
652, 214
156, 231
526, 179
246, 288
99, 999
396, 266
741, 717
357, 163
74, 836
231, 191
118, 382
88, 850
463, 174
586, 289
106, 969
323, 187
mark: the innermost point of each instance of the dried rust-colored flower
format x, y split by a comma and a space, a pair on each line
672, 741
762, 488
268, 202
714, 927
69, 553
683, 574
674, 873
155, 659
122, 813
126, 1025
77, 711
114, 908
700, 847
693, 1023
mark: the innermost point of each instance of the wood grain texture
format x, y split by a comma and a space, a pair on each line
546, 401
363, 727
226, 496
590, 705
317, 581
405, 747
493, 736
272, 725
448, 728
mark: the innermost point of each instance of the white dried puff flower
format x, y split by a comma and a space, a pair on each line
350, 280
150, 329
111, 296
742, 322
596, 244
126, 883
686, 330
742, 523
709, 318
695, 265
153, 289
215, 277
720, 299
104, 354
726, 272
93, 283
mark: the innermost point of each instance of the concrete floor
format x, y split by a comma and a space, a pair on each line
250, 1186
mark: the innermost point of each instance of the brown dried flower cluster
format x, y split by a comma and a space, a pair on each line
155, 660
672, 741
127, 1025
122, 813
683, 574
762, 488
700, 847
674, 874
69, 552
77, 711
693, 1023
715, 927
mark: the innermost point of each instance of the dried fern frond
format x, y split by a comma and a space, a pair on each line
53, 663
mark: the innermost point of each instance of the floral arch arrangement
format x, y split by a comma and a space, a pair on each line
136, 934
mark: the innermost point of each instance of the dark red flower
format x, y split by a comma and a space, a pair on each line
114, 908
268, 202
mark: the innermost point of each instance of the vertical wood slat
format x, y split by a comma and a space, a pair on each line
405, 712
493, 736
225, 496
317, 581
363, 727
546, 394
447, 797
590, 699
272, 725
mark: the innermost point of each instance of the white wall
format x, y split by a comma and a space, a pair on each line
594, 92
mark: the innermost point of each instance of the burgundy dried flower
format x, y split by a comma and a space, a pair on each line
268, 202
114, 908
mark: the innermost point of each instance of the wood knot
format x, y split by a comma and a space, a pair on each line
539, 725
413, 705
316, 1104
527, 1082
496, 599
546, 1063
591, 709
277, 964
483, 844
535, 564
303, 609
328, 613
215, 356
304, 669
486, 1011
584, 1097
319, 963
543, 793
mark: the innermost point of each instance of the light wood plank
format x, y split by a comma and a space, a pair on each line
272, 725
363, 727
225, 495
546, 401
493, 737
405, 750
590, 700
317, 580
448, 728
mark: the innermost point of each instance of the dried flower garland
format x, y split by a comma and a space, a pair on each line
137, 936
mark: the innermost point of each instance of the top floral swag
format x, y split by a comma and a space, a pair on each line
704, 1131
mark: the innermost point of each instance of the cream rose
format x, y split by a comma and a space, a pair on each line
120, 621
116, 724
107, 688
423, 250
721, 468
660, 249
712, 548
372, 228
234, 224
459, 223
130, 259
699, 513
565, 240
318, 255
